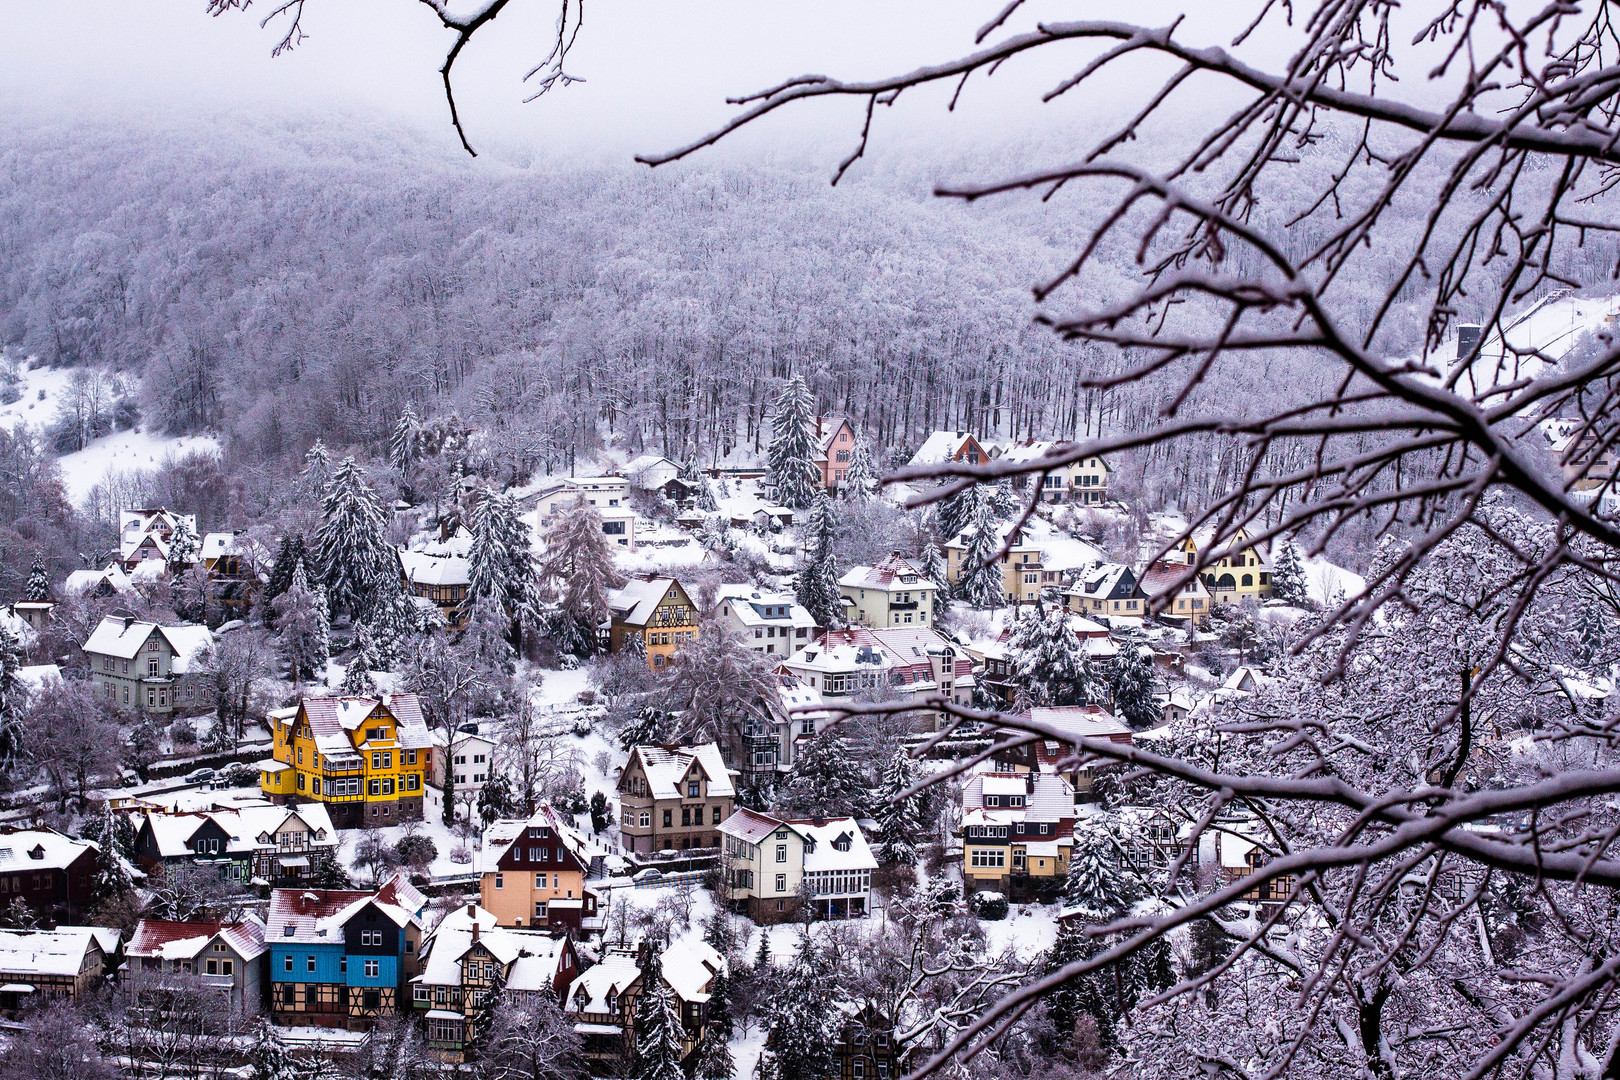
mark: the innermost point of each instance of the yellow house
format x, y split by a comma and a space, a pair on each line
1015, 826
892, 593
1023, 575
656, 612
1188, 598
1245, 571
366, 758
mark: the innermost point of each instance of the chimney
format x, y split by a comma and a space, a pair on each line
1029, 782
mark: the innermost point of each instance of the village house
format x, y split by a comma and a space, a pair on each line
147, 667
234, 562
144, 535
866, 1048
549, 494
1017, 829
674, 798
35, 613
766, 743
649, 472
534, 872
943, 446
468, 959
602, 1001
774, 623
440, 579
98, 584
1188, 598
1057, 756
365, 758
65, 964
1083, 481
1242, 571
229, 957
770, 867
835, 450
1023, 573
914, 662
267, 844
1153, 838
657, 613
892, 593
339, 957
1106, 591
1235, 847
54, 874
469, 755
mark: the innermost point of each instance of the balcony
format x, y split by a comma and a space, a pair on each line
903, 605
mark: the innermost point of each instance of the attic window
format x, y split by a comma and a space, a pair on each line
287, 931
842, 843
37, 851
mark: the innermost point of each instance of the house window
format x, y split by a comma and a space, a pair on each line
226, 967
373, 999
669, 818
286, 962
646, 820
212, 967
152, 666
716, 820
539, 910
420, 994
372, 968
500, 881
691, 789
309, 963
781, 853
781, 883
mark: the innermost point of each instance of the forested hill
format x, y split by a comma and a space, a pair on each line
277, 288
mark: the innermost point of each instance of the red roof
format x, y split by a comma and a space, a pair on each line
151, 933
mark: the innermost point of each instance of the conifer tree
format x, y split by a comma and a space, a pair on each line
494, 800
404, 442
355, 555
576, 572
305, 630
826, 781
818, 576
267, 1059
367, 658
980, 583
38, 588
1287, 575
792, 451
1591, 634
658, 1027
954, 513
1132, 685
899, 820
1049, 665
801, 1022
714, 1060
281, 572
860, 480
931, 564
1100, 886
12, 700
317, 470
183, 547
502, 571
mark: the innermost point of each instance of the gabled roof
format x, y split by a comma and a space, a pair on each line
333, 720
827, 428
121, 637
890, 574
435, 569
317, 916
1047, 797
530, 958
1161, 577
1081, 721
247, 828
45, 952
752, 607
667, 766
825, 836
82, 581
167, 940
942, 446
688, 966
615, 973
501, 835
636, 602
751, 826
54, 851
1106, 581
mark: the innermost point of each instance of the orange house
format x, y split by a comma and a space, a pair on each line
657, 613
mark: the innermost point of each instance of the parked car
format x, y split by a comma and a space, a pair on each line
648, 876
201, 776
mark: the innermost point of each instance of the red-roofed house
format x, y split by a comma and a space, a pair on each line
226, 956
892, 593
1057, 755
835, 449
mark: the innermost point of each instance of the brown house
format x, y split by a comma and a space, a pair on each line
673, 798
54, 874
658, 613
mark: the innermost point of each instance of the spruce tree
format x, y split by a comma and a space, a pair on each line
355, 554
714, 1052
12, 700
404, 442
38, 588
818, 576
1590, 632
658, 1027
494, 800
861, 478
1100, 887
302, 619
1132, 685
792, 451
801, 1021
827, 780
317, 470
1049, 664
1288, 575
367, 658
502, 571
281, 572
183, 547
576, 571
899, 820
980, 583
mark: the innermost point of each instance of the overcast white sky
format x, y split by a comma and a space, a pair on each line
658, 71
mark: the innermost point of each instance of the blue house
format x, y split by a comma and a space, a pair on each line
339, 957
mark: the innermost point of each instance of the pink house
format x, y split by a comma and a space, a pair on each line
835, 449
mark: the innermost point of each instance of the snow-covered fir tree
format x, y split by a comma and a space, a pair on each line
183, 548
501, 568
1131, 685
1100, 886
289, 554
317, 470
367, 658
302, 619
801, 1021
931, 564
1591, 632
792, 451
1287, 573
818, 574
12, 699
955, 512
38, 587
899, 820
827, 780
658, 1027
404, 442
1049, 664
576, 571
861, 478
980, 582
355, 555
714, 1060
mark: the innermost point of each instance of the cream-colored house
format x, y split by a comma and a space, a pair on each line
1082, 481
892, 593
771, 867
1023, 571
1244, 570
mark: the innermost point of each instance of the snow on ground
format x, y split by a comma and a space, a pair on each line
660, 558
125, 451
1029, 929
32, 409
1324, 581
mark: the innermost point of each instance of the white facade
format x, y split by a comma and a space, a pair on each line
774, 623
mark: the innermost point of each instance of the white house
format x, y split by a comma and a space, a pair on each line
892, 593
774, 623
471, 761
650, 472
771, 866
903, 661
548, 494
144, 535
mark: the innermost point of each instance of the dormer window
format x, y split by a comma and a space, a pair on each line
992, 800
692, 789
842, 843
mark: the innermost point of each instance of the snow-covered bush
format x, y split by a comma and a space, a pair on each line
461, 854
991, 906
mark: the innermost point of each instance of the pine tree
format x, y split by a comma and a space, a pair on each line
1590, 633
38, 588
305, 628
818, 576
494, 800
11, 700
1287, 575
714, 1052
1100, 887
404, 442
981, 583
502, 570
762, 957
113, 834
183, 547
576, 571
899, 820
355, 555
801, 1022
658, 1027
1049, 665
317, 470
1132, 685
792, 451
267, 1058
861, 478
367, 658
281, 572
931, 564
826, 781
